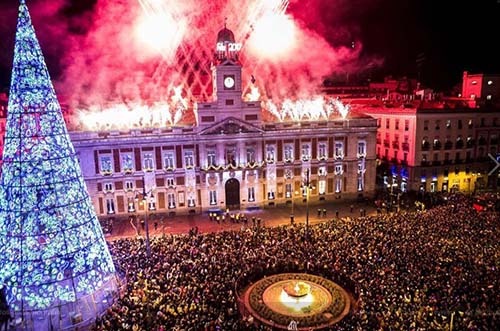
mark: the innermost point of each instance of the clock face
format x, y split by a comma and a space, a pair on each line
228, 82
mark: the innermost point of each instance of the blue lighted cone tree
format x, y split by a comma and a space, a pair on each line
53, 256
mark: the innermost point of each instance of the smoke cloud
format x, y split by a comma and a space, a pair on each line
102, 61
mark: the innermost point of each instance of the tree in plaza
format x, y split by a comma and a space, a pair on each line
53, 255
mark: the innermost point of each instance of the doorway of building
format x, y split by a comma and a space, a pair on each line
233, 194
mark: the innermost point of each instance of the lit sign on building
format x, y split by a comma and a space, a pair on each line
232, 47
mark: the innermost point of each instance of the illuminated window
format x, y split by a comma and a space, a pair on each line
211, 158
448, 124
129, 185
490, 82
168, 160
106, 165
322, 186
338, 169
148, 161
108, 187
288, 190
151, 203
131, 205
170, 182
191, 201
306, 152
212, 196
250, 155
171, 200
339, 149
251, 194
127, 162
488, 97
188, 159
288, 153
322, 171
270, 195
322, 151
471, 123
270, 153
338, 185
361, 183
110, 206
474, 82
361, 148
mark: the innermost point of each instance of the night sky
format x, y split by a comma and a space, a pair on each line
449, 36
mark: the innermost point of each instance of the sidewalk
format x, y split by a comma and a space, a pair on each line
270, 216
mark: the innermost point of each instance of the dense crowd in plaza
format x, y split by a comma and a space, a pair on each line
430, 270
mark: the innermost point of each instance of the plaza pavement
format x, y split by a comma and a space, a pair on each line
270, 216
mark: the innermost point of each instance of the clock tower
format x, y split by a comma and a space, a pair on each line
227, 85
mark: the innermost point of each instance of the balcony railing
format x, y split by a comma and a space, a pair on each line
448, 145
447, 162
436, 146
426, 146
424, 163
436, 163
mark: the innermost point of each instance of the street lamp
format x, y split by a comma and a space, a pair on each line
146, 207
307, 186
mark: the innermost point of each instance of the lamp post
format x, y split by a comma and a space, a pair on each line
307, 186
146, 207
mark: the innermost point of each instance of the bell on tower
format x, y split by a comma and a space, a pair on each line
226, 48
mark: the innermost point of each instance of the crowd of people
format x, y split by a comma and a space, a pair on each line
427, 270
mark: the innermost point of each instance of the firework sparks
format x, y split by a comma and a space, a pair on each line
289, 66
301, 110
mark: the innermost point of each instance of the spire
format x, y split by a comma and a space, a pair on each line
52, 249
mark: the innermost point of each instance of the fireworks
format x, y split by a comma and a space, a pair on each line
174, 44
315, 109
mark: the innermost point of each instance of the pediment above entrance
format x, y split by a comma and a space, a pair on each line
231, 125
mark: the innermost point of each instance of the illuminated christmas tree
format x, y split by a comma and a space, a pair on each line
54, 261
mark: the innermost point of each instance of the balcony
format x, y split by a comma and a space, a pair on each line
394, 160
469, 160
426, 146
448, 145
436, 146
481, 142
424, 163
458, 161
436, 163
404, 162
406, 147
459, 144
447, 162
